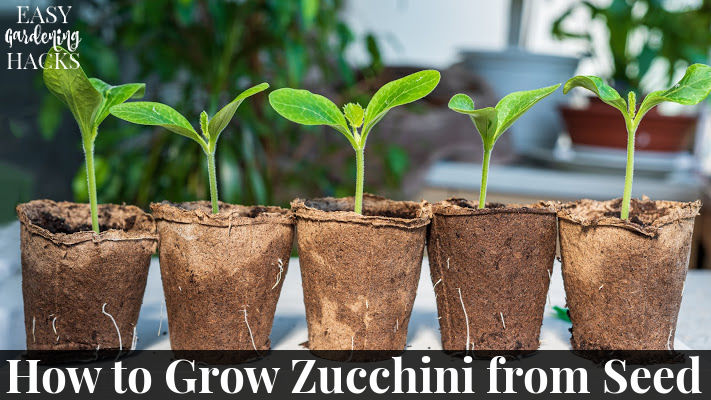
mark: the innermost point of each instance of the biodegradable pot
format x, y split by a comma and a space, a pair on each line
222, 273
359, 272
491, 270
624, 279
82, 289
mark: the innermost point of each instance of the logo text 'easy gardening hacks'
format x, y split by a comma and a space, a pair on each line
40, 27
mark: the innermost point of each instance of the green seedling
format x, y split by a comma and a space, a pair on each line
492, 122
561, 313
157, 114
89, 100
304, 107
692, 89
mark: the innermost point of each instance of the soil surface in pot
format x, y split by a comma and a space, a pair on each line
222, 274
491, 270
624, 279
359, 273
82, 290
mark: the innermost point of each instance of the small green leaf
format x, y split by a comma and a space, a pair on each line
354, 114
484, 119
515, 104
72, 87
156, 114
306, 108
596, 85
461, 103
223, 117
561, 313
113, 95
396, 93
204, 123
692, 89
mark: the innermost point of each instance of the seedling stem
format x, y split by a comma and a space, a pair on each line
484, 177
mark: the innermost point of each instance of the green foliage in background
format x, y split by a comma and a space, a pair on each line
642, 32
193, 53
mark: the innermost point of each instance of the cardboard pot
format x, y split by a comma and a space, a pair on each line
491, 270
624, 279
359, 272
82, 290
222, 273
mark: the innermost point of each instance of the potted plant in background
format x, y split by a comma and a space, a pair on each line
84, 266
491, 263
625, 260
360, 256
647, 41
222, 265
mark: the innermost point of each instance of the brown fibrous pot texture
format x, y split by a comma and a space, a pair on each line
491, 270
359, 272
82, 290
624, 278
222, 273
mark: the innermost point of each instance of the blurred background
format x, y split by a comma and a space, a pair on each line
198, 54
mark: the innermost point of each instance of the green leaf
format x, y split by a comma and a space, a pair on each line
692, 89
596, 85
72, 87
354, 114
396, 93
223, 117
484, 119
514, 105
113, 95
561, 313
156, 114
204, 123
306, 108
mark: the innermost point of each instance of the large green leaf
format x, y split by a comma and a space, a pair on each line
306, 108
220, 120
514, 105
72, 87
396, 93
602, 90
157, 114
113, 95
692, 89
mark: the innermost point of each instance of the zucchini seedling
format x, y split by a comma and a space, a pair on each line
692, 89
492, 122
89, 100
158, 114
306, 108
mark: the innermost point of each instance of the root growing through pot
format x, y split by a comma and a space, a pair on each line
33, 331
447, 262
160, 320
502, 319
249, 329
135, 340
397, 325
118, 332
466, 316
435, 286
54, 326
281, 270
669, 338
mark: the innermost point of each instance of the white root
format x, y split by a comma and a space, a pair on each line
669, 338
160, 320
281, 270
548, 294
180, 289
502, 319
33, 331
397, 325
135, 339
600, 288
54, 327
249, 329
366, 304
447, 262
435, 286
466, 317
118, 332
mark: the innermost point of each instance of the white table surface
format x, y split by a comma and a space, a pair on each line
693, 331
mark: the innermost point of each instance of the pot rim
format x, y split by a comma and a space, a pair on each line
71, 239
683, 211
232, 215
452, 207
303, 211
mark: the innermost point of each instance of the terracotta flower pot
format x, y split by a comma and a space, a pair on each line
624, 279
601, 125
222, 273
359, 272
491, 270
82, 290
